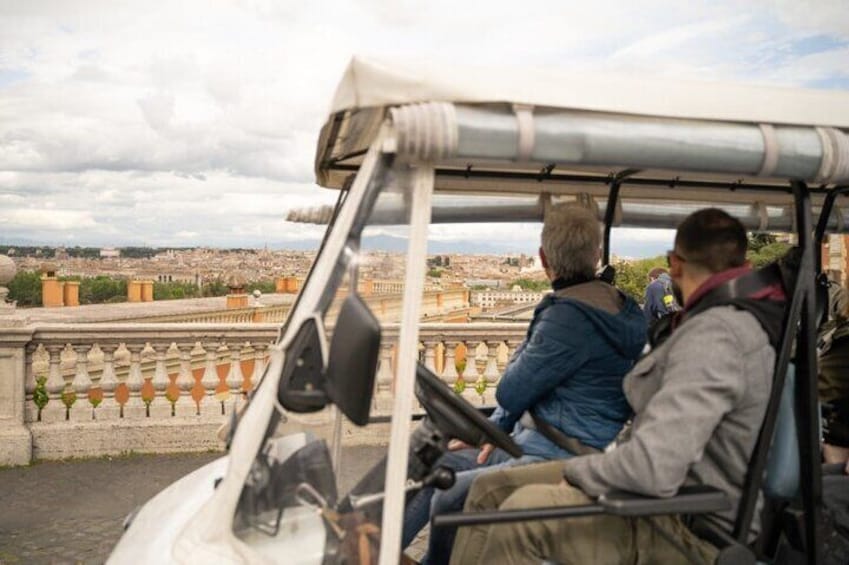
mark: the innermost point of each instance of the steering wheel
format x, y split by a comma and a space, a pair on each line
455, 417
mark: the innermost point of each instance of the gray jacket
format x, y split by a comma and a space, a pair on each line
699, 399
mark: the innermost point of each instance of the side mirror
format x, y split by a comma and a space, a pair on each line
302, 384
354, 352
348, 380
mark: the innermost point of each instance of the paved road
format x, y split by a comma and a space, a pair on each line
71, 511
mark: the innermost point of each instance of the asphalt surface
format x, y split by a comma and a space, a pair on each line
58, 512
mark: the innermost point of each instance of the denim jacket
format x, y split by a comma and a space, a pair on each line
582, 341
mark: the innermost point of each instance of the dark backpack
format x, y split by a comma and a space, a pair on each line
737, 293
669, 301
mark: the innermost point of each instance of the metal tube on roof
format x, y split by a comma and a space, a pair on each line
440, 131
450, 209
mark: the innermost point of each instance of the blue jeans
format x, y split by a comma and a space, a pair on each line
429, 501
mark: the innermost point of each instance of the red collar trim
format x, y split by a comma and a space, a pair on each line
713, 282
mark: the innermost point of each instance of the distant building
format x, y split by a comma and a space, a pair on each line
110, 253
167, 255
835, 258
488, 283
491, 298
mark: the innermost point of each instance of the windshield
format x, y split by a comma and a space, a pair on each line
318, 472
303, 475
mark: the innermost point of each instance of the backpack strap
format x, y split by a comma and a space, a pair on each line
743, 293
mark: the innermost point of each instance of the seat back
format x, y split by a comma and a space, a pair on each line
782, 469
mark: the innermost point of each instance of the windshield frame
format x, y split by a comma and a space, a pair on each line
211, 527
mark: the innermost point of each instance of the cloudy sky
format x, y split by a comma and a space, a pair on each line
194, 122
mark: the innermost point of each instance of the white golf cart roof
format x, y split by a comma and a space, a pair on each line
529, 132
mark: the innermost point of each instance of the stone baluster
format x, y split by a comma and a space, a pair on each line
185, 405
430, 350
135, 408
235, 378
210, 405
30, 408
430, 355
471, 372
512, 345
108, 409
449, 370
160, 406
260, 349
383, 390
55, 411
474, 380
490, 373
81, 410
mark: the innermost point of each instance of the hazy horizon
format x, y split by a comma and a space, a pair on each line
620, 246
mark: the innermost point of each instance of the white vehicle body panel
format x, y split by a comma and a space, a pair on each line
154, 529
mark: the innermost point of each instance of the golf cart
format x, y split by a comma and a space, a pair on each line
407, 147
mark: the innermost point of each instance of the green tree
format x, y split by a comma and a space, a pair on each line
84, 252
215, 287
25, 288
632, 277
534, 285
102, 289
758, 241
265, 287
768, 254
175, 290
138, 252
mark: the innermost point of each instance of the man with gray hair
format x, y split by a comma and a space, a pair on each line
561, 393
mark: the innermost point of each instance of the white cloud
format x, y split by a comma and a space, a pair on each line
140, 122
52, 220
822, 16
668, 40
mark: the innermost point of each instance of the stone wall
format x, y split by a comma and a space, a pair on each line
75, 390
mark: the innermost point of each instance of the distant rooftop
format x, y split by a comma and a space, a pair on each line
513, 313
138, 311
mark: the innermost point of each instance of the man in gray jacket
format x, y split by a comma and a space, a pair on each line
699, 398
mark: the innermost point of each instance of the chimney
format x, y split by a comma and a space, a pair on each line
134, 291
237, 297
51, 287
71, 293
146, 291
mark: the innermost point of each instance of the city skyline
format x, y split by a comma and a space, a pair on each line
626, 243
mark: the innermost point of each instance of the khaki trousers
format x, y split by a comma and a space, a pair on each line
593, 540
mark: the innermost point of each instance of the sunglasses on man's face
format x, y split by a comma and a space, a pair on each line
670, 254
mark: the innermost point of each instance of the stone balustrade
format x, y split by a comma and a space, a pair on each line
276, 313
96, 389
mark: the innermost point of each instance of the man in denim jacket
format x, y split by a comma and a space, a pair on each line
565, 378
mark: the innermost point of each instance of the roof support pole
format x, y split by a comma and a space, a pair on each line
800, 315
610, 209
609, 216
420, 185
810, 456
